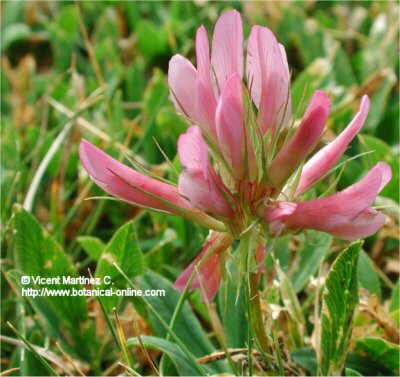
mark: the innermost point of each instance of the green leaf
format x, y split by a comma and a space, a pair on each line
233, 311
38, 254
381, 352
307, 359
187, 326
282, 251
351, 372
183, 365
291, 302
313, 252
395, 299
344, 74
123, 249
340, 298
367, 275
92, 246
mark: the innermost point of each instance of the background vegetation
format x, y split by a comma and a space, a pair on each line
97, 69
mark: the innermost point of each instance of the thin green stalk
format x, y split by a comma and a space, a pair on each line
109, 323
256, 320
28, 345
249, 345
122, 341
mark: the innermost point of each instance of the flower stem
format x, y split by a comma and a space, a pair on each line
256, 319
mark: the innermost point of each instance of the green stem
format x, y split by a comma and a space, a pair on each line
256, 319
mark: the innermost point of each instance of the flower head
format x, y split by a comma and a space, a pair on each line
241, 153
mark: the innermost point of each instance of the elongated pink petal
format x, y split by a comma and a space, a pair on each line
338, 213
253, 67
197, 181
326, 158
206, 108
209, 271
206, 102
227, 50
303, 141
280, 212
365, 224
127, 184
203, 54
268, 78
230, 125
348, 203
285, 71
182, 81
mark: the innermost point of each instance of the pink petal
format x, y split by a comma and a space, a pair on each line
182, 81
210, 272
203, 54
365, 224
206, 102
285, 71
302, 142
326, 158
127, 184
197, 182
253, 67
268, 78
227, 47
206, 107
280, 211
230, 125
339, 213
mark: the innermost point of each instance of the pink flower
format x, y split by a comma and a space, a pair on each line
235, 166
210, 271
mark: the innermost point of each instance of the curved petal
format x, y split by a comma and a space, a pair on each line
268, 78
365, 224
197, 182
326, 158
128, 185
206, 108
203, 54
303, 141
227, 47
230, 125
209, 270
182, 81
206, 102
338, 213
